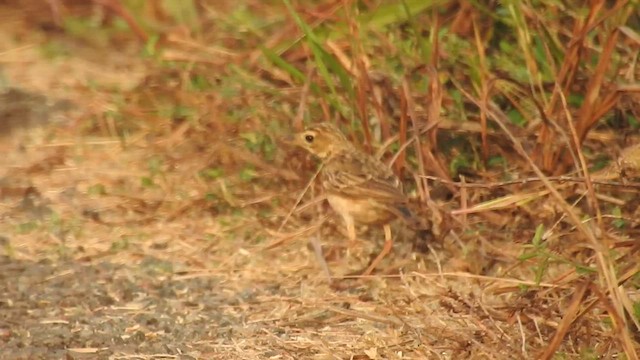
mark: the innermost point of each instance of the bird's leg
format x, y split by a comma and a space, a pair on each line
386, 248
351, 230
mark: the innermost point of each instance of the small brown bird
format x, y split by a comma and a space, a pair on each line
358, 186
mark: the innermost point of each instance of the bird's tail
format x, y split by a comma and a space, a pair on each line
409, 217
422, 227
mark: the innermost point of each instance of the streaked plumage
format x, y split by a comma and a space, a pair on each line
358, 187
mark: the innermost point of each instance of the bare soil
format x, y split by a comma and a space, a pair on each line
112, 246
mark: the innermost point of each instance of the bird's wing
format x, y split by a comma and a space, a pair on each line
360, 176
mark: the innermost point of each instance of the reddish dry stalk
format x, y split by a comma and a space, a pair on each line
610, 100
460, 24
464, 201
323, 12
568, 318
117, 7
585, 118
402, 137
484, 93
565, 77
427, 156
361, 100
593, 201
523, 181
407, 107
302, 106
606, 271
435, 96
385, 125
325, 109
376, 98
619, 324
363, 85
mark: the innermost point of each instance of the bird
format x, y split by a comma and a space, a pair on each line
359, 187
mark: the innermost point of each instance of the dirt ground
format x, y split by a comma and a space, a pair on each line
111, 247
84, 273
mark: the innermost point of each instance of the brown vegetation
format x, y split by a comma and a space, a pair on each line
149, 208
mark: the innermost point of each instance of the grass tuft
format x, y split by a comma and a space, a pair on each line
513, 126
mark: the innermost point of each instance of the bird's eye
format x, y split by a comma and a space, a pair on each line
308, 138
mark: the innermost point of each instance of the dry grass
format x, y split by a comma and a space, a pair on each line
497, 125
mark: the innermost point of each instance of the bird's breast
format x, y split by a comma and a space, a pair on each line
363, 210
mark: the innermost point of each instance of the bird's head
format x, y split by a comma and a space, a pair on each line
322, 140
